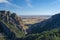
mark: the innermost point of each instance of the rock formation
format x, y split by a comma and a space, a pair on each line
12, 18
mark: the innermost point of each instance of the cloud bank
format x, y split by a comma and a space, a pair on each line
9, 3
28, 3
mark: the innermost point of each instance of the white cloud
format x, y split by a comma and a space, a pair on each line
14, 5
3, 1
29, 3
9, 3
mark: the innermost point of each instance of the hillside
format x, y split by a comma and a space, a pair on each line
53, 34
51, 23
11, 26
45, 30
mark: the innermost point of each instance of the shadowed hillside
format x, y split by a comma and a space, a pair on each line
51, 23
9, 35
13, 28
45, 30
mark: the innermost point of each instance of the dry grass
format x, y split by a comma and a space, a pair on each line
33, 20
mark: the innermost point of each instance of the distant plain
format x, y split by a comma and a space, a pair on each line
34, 19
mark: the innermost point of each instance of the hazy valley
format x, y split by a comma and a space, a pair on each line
14, 27
29, 19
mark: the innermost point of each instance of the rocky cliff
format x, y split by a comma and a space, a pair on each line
12, 19
11, 25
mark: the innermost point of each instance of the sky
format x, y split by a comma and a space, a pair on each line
31, 7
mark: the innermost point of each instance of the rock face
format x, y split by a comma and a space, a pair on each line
12, 18
11, 26
5, 31
51, 23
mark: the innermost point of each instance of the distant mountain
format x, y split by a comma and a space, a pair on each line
35, 16
51, 23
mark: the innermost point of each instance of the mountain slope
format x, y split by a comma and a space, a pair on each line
51, 23
11, 26
53, 34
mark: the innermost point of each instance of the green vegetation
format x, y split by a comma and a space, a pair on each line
12, 28
11, 25
17, 32
46, 35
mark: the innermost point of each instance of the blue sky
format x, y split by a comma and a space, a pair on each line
31, 7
